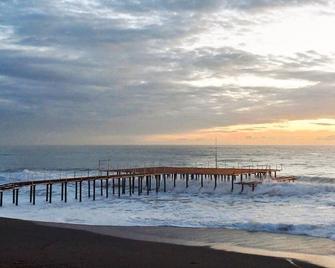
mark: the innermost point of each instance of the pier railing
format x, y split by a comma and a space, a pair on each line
117, 180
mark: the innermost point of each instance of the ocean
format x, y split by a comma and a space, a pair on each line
306, 207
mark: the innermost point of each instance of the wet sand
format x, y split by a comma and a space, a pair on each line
30, 244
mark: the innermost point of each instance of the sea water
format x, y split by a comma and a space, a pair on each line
305, 207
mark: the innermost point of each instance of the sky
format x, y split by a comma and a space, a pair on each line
167, 72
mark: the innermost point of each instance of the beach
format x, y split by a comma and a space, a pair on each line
28, 244
199, 224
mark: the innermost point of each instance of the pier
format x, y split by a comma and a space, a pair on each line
140, 181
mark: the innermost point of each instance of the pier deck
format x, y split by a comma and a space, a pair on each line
135, 176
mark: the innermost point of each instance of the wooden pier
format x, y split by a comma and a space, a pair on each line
145, 180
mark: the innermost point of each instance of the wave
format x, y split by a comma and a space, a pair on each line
317, 179
325, 231
296, 189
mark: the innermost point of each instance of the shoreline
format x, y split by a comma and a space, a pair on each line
255, 243
56, 239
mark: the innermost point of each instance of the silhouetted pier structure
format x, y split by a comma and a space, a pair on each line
141, 181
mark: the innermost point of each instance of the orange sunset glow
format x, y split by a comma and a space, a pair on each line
300, 132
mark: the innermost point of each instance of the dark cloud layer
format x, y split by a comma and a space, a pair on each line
74, 70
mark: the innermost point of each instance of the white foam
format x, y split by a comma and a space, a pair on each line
294, 208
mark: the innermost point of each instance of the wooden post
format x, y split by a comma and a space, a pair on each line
118, 186
164, 181
186, 181
17, 197
34, 194
174, 180
232, 183
215, 181
76, 190
101, 187
80, 189
50, 193
93, 190
65, 191
13, 196
133, 185
150, 183
242, 187
89, 188
106, 188
113, 186
62, 192
47, 192
123, 185
147, 184
31, 193
141, 184
1, 198
202, 180
157, 187
130, 190
138, 186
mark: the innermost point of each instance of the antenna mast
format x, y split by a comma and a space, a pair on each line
216, 152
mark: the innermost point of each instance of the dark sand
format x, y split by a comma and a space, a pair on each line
26, 244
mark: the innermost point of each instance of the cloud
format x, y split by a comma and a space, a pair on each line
72, 70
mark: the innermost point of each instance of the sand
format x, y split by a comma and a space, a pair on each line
28, 244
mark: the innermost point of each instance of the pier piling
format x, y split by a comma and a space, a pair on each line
128, 177
93, 190
80, 190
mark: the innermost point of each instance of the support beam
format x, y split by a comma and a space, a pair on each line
14, 196
118, 186
106, 182
242, 187
123, 186
232, 183
147, 184
30, 193
47, 192
164, 182
80, 190
157, 186
93, 190
89, 188
141, 184
34, 194
50, 193
62, 192
76, 191
17, 197
130, 188
65, 191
